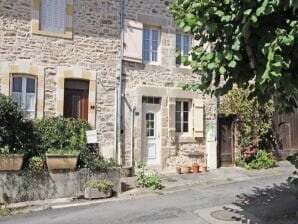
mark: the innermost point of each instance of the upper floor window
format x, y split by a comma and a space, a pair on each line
150, 42
182, 46
24, 93
53, 16
182, 116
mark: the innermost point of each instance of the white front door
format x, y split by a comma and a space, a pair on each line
151, 134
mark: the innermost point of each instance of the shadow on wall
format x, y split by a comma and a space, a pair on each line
276, 204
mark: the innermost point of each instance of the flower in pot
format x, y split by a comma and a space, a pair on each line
195, 168
185, 169
62, 158
98, 189
11, 158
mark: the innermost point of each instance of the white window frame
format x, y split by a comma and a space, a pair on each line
189, 122
53, 29
183, 35
23, 93
150, 41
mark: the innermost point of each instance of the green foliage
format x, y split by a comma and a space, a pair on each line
61, 133
36, 163
293, 180
263, 160
15, 131
63, 151
251, 43
4, 211
253, 119
101, 185
152, 181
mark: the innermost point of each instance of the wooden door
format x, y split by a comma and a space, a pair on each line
225, 138
76, 103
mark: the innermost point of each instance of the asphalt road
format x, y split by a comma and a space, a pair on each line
268, 198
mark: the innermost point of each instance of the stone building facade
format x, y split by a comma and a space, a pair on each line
53, 66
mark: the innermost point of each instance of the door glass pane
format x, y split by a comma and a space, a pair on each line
75, 106
185, 127
178, 106
150, 124
178, 127
30, 102
17, 84
185, 106
30, 88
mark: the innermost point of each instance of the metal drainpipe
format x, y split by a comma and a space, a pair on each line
119, 106
132, 137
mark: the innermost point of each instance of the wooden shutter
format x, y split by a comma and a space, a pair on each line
133, 41
198, 117
53, 15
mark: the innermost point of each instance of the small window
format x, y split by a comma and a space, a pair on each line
182, 116
53, 16
182, 46
150, 48
24, 94
151, 100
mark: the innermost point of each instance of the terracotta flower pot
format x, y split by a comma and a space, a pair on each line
11, 161
185, 169
178, 170
195, 168
204, 168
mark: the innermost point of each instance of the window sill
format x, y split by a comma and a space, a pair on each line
35, 30
185, 138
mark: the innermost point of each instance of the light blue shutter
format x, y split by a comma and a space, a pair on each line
185, 45
146, 52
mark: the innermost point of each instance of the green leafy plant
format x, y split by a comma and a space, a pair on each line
63, 151
251, 43
60, 133
101, 185
152, 181
262, 160
16, 131
4, 211
36, 163
293, 180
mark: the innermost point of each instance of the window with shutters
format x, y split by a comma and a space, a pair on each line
52, 17
23, 92
183, 44
182, 116
150, 45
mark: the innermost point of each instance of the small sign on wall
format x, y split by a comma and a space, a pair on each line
91, 136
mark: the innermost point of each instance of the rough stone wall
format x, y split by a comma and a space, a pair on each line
166, 74
95, 47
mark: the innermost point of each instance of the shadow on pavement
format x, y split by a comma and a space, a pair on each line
276, 204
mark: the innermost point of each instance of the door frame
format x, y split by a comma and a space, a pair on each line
154, 108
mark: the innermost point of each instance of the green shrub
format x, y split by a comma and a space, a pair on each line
152, 181
101, 185
4, 211
36, 163
16, 131
61, 133
262, 160
63, 151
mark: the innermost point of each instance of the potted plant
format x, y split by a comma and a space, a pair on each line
11, 158
178, 169
98, 189
195, 168
62, 158
185, 169
204, 167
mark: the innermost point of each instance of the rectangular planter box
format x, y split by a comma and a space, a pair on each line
11, 162
92, 193
55, 162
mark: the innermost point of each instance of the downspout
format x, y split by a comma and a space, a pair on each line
119, 105
132, 137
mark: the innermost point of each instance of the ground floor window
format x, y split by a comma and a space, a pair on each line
24, 93
182, 116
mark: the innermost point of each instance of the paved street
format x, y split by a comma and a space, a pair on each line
265, 200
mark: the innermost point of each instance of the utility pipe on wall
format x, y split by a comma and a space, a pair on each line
132, 136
